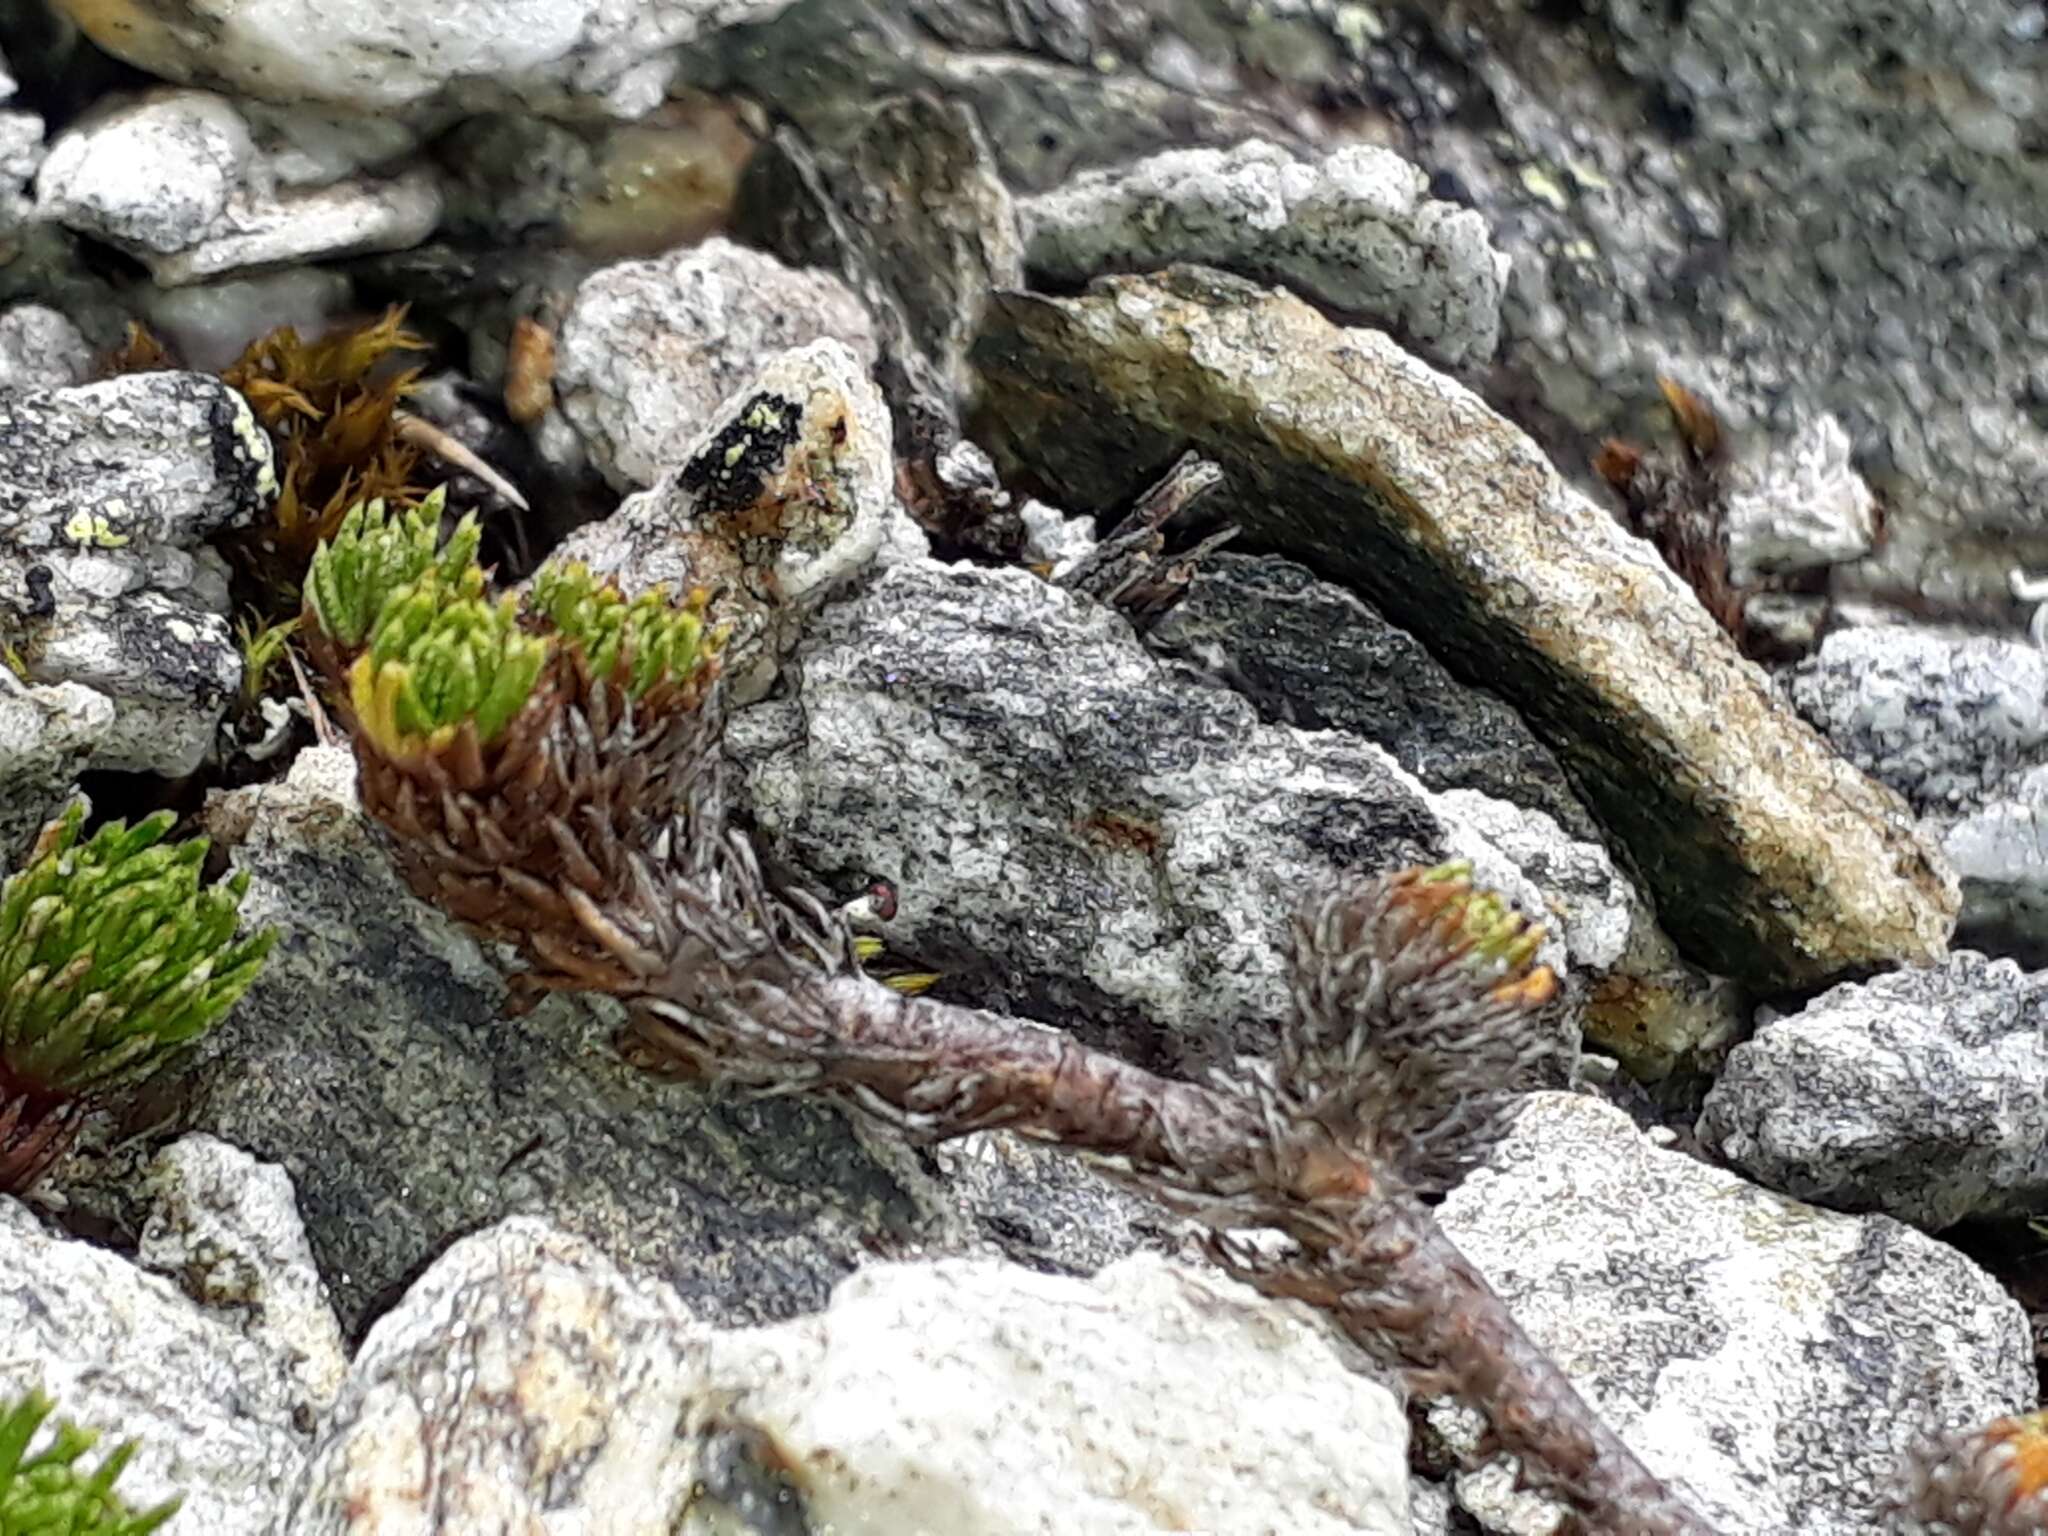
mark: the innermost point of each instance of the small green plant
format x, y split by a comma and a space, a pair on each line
444, 656
640, 642
50, 1493
113, 956
372, 554
262, 645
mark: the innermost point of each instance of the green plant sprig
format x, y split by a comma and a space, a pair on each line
647, 637
443, 654
50, 1494
373, 554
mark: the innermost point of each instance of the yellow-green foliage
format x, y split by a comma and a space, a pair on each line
113, 955
642, 641
372, 553
442, 654
49, 1493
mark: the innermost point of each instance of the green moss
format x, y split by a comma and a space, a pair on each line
643, 642
443, 654
373, 554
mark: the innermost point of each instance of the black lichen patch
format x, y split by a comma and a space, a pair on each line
729, 475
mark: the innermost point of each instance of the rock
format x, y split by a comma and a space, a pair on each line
209, 325
47, 735
973, 1398
1771, 1359
1943, 719
21, 155
373, 1061
1355, 231
650, 349
1798, 506
786, 493
521, 1383
582, 56
176, 178
213, 1410
1078, 832
225, 1229
1922, 1094
106, 493
2001, 852
41, 349
1771, 860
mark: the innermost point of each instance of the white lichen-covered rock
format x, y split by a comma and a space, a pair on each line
1077, 829
368, 56
1798, 506
178, 179
1771, 1359
1922, 1094
526, 1383
1941, 718
211, 1407
47, 735
41, 349
787, 493
107, 494
1355, 230
225, 1228
649, 349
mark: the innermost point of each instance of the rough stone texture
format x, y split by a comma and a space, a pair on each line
2000, 850
1922, 1094
1355, 231
41, 349
373, 1062
981, 1399
1771, 859
47, 734
524, 1383
177, 178
106, 492
212, 1408
1941, 718
225, 1229
1772, 1359
209, 325
1082, 833
786, 493
650, 349
364, 55
1799, 506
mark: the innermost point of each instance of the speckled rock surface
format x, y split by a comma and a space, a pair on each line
1943, 719
1798, 505
1770, 859
976, 1399
225, 1230
1772, 1359
107, 492
1922, 1094
583, 54
178, 179
1078, 831
212, 1408
41, 349
1355, 231
785, 493
47, 734
650, 349
2000, 849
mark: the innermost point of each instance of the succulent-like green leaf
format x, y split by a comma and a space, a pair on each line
373, 554
653, 638
112, 954
49, 1493
442, 654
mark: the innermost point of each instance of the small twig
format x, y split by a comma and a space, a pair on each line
423, 434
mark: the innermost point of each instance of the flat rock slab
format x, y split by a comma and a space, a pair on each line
1771, 859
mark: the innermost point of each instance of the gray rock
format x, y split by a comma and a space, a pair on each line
1922, 1094
106, 492
225, 1230
212, 1409
2000, 849
1798, 506
209, 325
581, 57
786, 493
1355, 231
1943, 719
21, 155
1771, 1359
650, 349
1078, 832
972, 1398
47, 735
1771, 860
41, 349
178, 179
